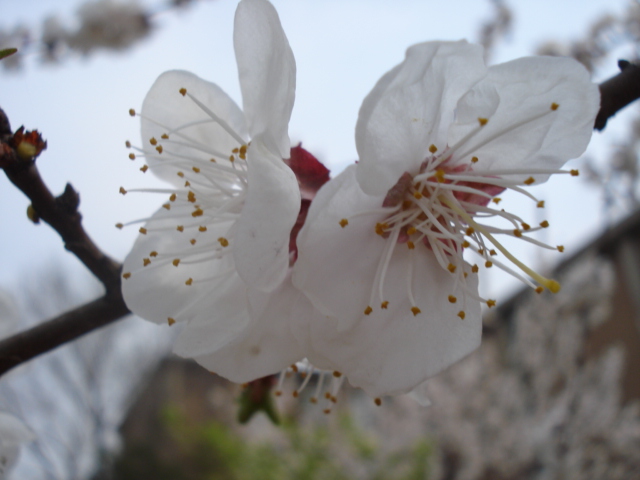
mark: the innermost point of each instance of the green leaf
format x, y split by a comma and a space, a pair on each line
6, 52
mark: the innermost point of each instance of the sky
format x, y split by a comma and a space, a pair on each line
341, 47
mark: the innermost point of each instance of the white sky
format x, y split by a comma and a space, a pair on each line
342, 47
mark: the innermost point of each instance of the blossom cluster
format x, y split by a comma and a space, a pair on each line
266, 262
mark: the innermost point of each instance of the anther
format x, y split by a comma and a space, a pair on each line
223, 241
192, 241
491, 303
143, 230
482, 121
526, 226
295, 394
126, 275
164, 136
529, 181
183, 91
410, 245
171, 321
153, 141
191, 197
465, 244
539, 290
544, 224
474, 159
518, 233
153, 254
417, 195
554, 106
189, 281
540, 204
496, 200
144, 168
368, 310
180, 174
377, 401
173, 197
415, 311
337, 374
119, 226
493, 253
560, 248
145, 262
574, 173
180, 228
176, 262
132, 156
411, 230
122, 191
475, 268
167, 206
195, 169
127, 144
439, 175
344, 222
461, 314
451, 267
488, 264
452, 299
159, 148
469, 231
132, 112
433, 148
198, 212
202, 228
384, 304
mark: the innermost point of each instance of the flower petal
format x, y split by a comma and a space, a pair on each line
267, 72
267, 345
271, 207
540, 113
193, 134
410, 108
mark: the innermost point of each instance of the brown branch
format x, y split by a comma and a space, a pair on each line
62, 214
618, 92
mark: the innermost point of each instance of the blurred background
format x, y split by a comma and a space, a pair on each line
552, 393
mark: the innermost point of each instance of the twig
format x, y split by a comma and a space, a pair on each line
618, 92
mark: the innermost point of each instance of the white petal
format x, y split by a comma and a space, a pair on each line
165, 110
267, 71
410, 108
157, 292
267, 346
13, 431
522, 129
261, 249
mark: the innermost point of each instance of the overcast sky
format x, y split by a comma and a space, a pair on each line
342, 47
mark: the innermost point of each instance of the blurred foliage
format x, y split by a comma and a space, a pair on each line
211, 450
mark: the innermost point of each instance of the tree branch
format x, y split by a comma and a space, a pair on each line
62, 214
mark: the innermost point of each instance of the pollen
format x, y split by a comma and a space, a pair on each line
544, 224
483, 121
144, 168
183, 91
377, 401
415, 311
529, 181
451, 267
554, 106
119, 226
132, 156
132, 112
143, 230
145, 262
176, 262
180, 228
368, 310
189, 281
452, 299
153, 141
122, 191
491, 303
433, 148
344, 222
461, 314
223, 241
171, 321
126, 275
384, 304
202, 228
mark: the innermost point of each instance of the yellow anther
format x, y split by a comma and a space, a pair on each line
243, 152
126, 275
212, 160
433, 148
517, 232
164, 136
176, 262
526, 226
119, 226
143, 230
326, 411
127, 144
173, 197
171, 321
465, 244
153, 254
145, 262
488, 264
132, 156
410, 245
191, 197
554, 106
439, 175
553, 286
132, 112
539, 290
492, 252
232, 158
183, 91
452, 299
198, 212
187, 184
167, 206
461, 314
144, 168
540, 204
337, 374
313, 400
189, 281
202, 228
560, 248
481, 251
415, 311
380, 228
491, 303
223, 242
384, 304
411, 230
417, 195
475, 268
368, 310
451, 267
327, 395
344, 222
465, 274
195, 169
294, 367
192, 241
295, 394
496, 200
469, 231
377, 401
180, 174
482, 121
529, 181
235, 150
159, 148
122, 191
474, 159
574, 173
153, 141
180, 228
